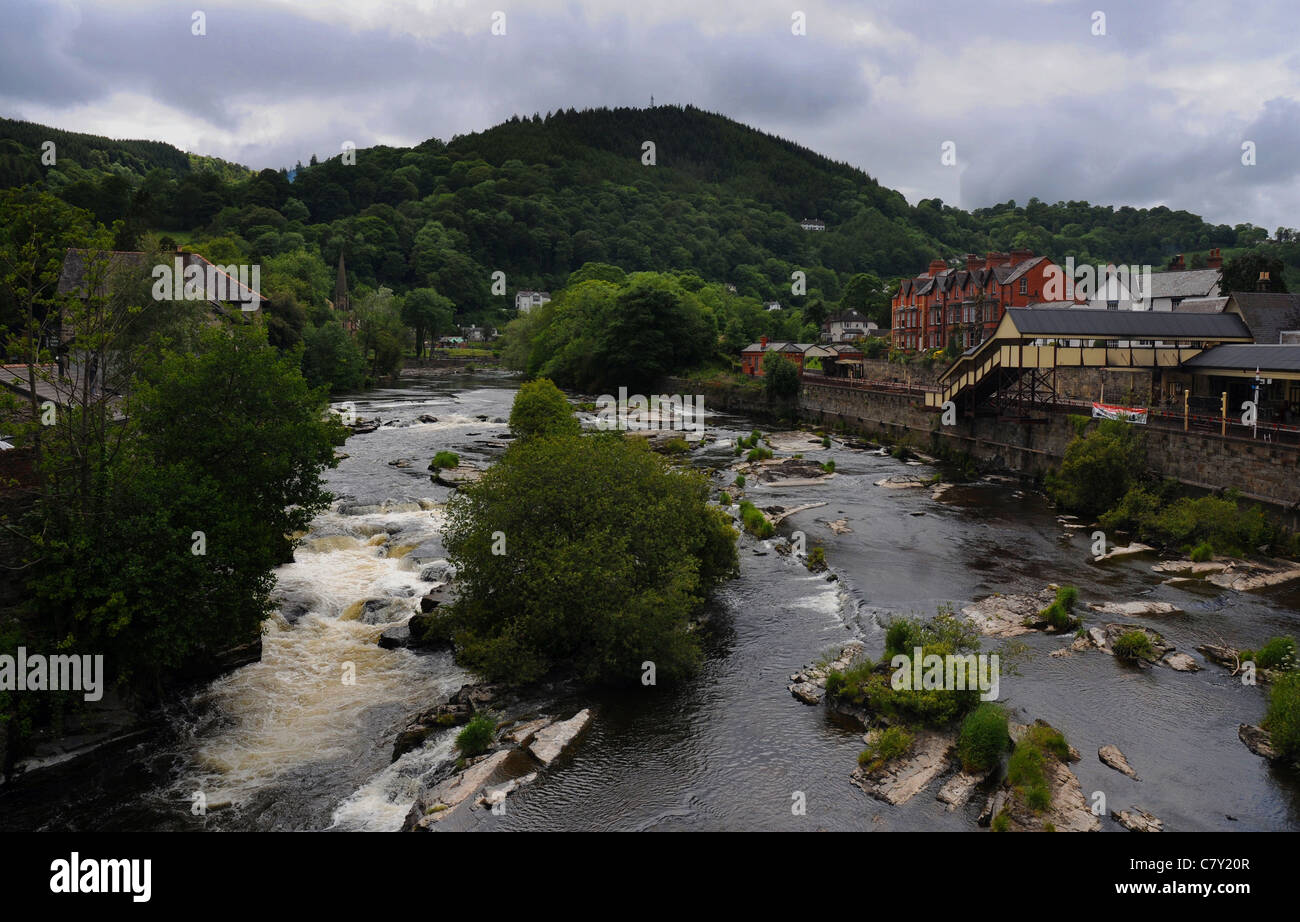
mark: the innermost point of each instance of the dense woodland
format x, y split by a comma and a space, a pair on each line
537, 198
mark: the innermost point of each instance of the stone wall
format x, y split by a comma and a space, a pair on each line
1258, 470
731, 398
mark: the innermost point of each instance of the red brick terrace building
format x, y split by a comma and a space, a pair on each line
968, 302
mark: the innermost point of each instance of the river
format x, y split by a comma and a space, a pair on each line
286, 744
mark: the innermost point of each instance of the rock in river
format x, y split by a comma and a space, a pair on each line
1138, 820
551, 741
1135, 609
901, 779
1111, 756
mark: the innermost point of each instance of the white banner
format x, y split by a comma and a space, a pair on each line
1128, 414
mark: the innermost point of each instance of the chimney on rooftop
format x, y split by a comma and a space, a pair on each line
1020, 254
1178, 262
936, 266
1214, 260
762, 342
994, 259
973, 262
1263, 284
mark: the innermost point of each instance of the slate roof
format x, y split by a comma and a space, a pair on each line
1268, 313
1248, 357
1201, 306
72, 280
1097, 324
1184, 283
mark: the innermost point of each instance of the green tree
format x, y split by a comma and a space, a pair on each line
780, 376
609, 553
331, 358
1243, 272
540, 409
426, 312
1099, 468
164, 556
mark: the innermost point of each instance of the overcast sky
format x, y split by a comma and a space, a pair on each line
1154, 111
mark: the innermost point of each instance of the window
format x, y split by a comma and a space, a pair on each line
1024, 286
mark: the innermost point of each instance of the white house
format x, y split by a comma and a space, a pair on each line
847, 326
526, 300
812, 224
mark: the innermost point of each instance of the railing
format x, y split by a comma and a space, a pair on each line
861, 384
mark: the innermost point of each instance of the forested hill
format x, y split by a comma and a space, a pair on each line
538, 197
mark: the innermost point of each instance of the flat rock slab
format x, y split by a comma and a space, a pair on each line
839, 526
1137, 820
442, 800
898, 781
903, 482
1257, 740
1127, 551
1068, 811
1181, 662
1135, 609
1112, 757
494, 795
524, 732
457, 476
1191, 567
551, 741
1005, 615
958, 789
1255, 578
806, 692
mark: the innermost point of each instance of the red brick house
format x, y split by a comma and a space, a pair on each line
966, 302
752, 356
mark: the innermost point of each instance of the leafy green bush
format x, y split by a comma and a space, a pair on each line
759, 454
891, 743
829, 467
1278, 653
540, 408
1001, 823
583, 511
848, 684
1202, 552
676, 446
816, 561
1134, 645
740, 481
1026, 770
476, 736
1098, 468
754, 521
780, 376
983, 737
444, 459
724, 498
1283, 718
1058, 613
1206, 524
826, 441
944, 634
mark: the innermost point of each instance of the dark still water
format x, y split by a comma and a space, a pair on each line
284, 744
